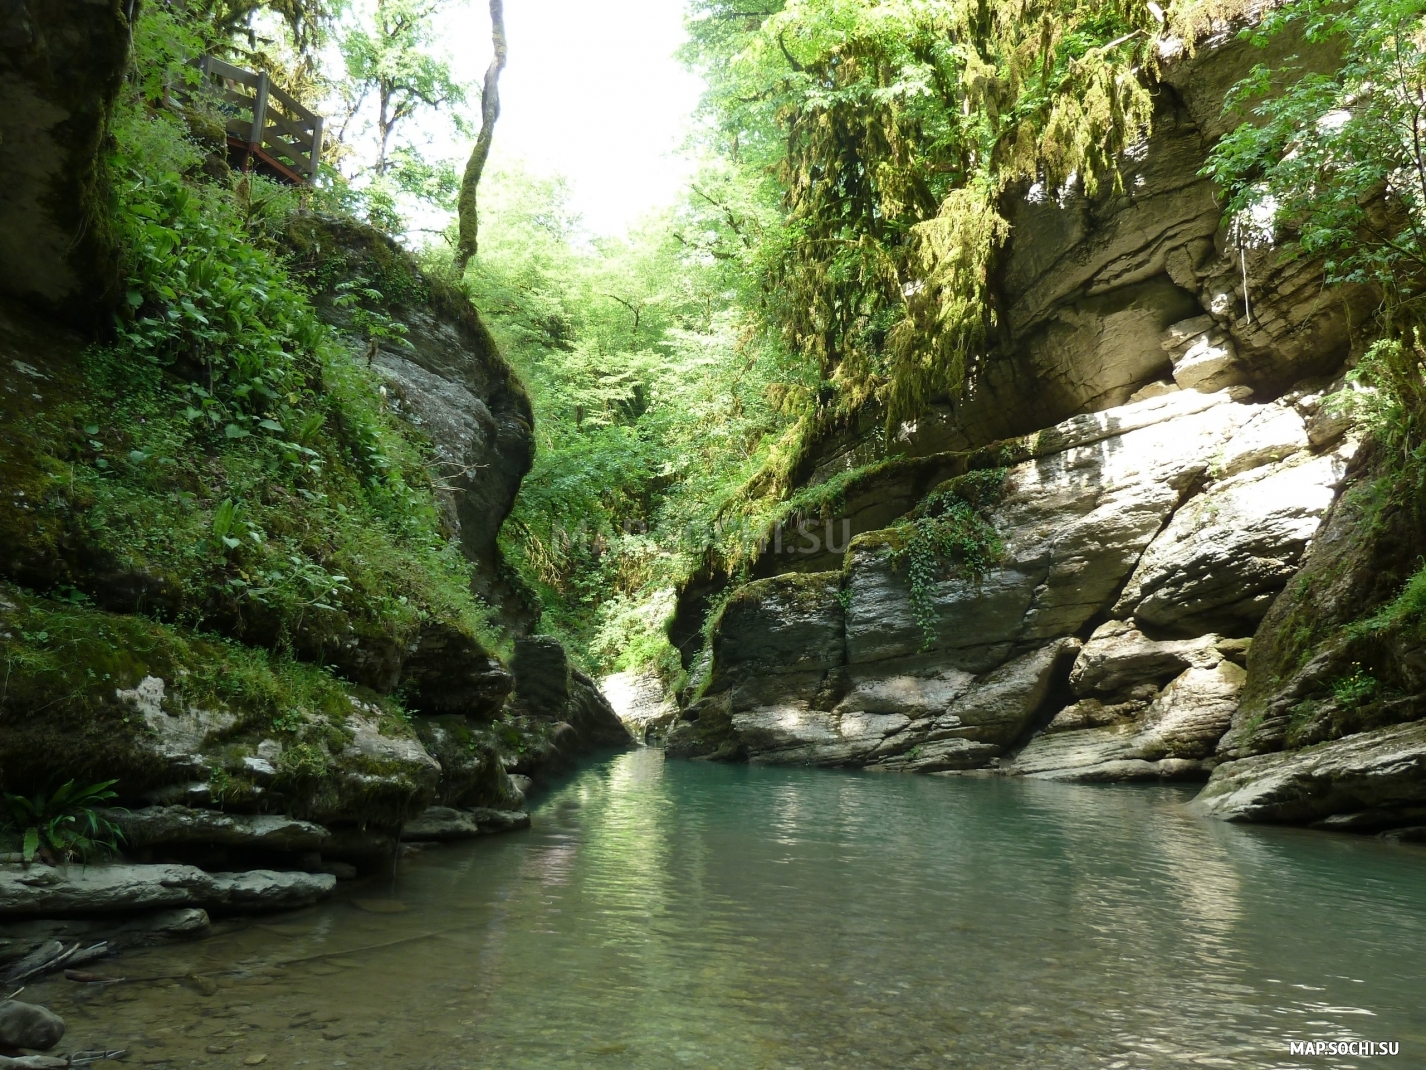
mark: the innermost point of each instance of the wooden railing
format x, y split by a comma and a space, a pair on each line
265, 125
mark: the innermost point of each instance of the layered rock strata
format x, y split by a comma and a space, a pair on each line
1174, 521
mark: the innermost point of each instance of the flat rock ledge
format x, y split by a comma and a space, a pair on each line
443, 823
1375, 779
171, 825
43, 891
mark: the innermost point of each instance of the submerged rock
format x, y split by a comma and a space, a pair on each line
27, 1025
440, 823
39, 890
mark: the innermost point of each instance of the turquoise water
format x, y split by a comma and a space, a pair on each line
665, 914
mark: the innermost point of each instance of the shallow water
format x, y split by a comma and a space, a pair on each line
690, 915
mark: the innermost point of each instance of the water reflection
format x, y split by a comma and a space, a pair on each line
683, 915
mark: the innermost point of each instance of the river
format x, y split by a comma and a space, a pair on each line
685, 915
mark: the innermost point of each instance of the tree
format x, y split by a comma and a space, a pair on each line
1335, 165
467, 240
387, 56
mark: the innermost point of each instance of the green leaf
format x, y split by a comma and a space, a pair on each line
234, 431
271, 425
32, 844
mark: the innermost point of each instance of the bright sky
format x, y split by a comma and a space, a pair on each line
592, 91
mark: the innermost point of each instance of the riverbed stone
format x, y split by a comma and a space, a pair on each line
38, 890
28, 1025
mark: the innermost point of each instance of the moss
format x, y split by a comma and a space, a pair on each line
64, 662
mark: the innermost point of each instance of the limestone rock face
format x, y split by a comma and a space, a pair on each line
1119, 660
1378, 777
1173, 737
40, 890
1125, 510
640, 702
1224, 557
451, 381
549, 688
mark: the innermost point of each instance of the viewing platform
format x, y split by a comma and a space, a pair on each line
266, 128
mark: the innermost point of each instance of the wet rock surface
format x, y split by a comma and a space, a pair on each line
444, 823
103, 889
25, 1025
165, 825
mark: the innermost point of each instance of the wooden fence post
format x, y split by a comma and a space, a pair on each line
259, 127
315, 157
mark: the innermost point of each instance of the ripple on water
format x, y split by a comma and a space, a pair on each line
691, 915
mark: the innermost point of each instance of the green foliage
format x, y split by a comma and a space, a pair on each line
63, 825
893, 128
1356, 688
1335, 163
656, 399
226, 450
949, 533
391, 76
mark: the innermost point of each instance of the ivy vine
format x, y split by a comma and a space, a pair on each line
949, 534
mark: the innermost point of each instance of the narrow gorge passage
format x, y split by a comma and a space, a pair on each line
709, 533
667, 914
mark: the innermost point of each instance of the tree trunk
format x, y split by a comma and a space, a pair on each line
466, 242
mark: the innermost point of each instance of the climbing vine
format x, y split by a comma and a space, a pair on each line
949, 534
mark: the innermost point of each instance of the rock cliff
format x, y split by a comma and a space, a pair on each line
1062, 574
144, 635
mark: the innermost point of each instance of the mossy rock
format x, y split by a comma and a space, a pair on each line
181, 717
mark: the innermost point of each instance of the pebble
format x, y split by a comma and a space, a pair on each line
255, 1060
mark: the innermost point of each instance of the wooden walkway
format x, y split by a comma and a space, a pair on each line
266, 128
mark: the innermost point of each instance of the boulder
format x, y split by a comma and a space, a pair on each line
1172, 738
1228, 552
640, 701
552, 691
472, 773
27, 1025
37, 890
981, 724
155, 826
1118, 658
1380, 774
